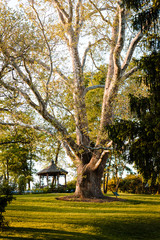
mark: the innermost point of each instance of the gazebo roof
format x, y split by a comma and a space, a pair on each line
52, 170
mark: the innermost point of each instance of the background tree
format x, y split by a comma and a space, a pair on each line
34, 67
17, 153
145, 150
116, 167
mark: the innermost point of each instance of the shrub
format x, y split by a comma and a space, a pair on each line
5, 198
132, 184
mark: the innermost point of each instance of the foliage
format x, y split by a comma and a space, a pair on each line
132, 184
136, 184
5, 198
146, 147
147, 12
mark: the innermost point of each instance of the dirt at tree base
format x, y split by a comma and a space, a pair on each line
98, 200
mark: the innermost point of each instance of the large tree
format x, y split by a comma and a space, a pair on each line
43, 62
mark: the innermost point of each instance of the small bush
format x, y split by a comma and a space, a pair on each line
71, 186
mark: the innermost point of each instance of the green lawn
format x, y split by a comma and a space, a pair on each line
41, 216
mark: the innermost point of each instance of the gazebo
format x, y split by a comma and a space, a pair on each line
55, 172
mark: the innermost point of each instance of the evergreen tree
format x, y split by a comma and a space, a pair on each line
140, 138
145, 150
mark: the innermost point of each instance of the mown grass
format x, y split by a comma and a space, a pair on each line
41, 216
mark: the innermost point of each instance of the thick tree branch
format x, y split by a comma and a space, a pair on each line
42, 111
129, 73
70, 11
120, 43
61, 9
131, 49
95, 167
92, 88
99, 153
85, 55
70, 153
78, 17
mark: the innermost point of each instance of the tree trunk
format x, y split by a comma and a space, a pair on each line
117, 184
106, 179
7, 174
158, 188
89, 184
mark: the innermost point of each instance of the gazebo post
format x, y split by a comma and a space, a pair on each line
52, 181
47, 179
40, 181
65, 181
55, 180
58, 180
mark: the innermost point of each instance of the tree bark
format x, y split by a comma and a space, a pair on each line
89, 184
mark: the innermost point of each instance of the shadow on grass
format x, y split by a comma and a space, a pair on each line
131, 229
146, 202
107, 230
46, 234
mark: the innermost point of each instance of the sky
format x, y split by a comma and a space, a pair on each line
12, 3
